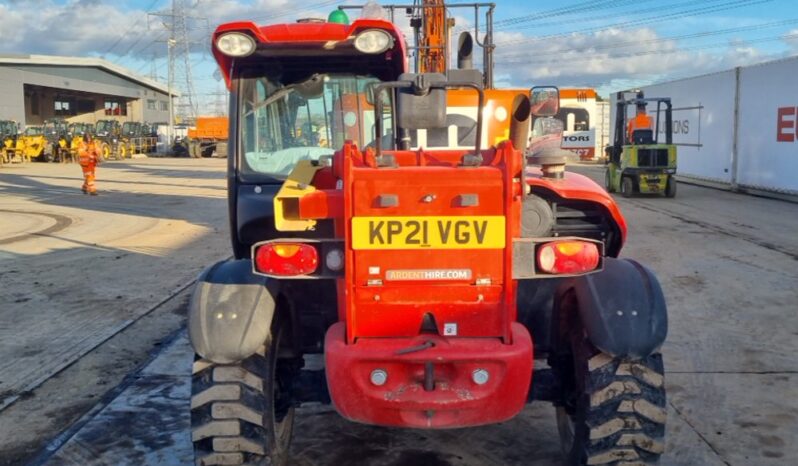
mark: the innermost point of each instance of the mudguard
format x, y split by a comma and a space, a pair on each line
622, 308
231, 310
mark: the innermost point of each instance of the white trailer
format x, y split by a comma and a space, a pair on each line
737, 129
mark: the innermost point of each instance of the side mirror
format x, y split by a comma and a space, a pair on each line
545, 100
421, 106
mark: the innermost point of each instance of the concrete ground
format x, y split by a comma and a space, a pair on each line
94, 364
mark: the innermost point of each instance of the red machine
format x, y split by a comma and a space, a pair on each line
424, 277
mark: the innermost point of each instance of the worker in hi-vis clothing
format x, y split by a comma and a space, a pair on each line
89, 155
640, 121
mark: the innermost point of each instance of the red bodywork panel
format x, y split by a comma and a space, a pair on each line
456, 400
325, 39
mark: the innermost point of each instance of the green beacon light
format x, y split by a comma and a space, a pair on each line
339, 17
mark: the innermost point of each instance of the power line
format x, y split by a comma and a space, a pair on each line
652, 52
564, 11
127, 31
659, 9
631, 43
639, 22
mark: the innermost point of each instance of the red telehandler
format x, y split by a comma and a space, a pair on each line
429, 280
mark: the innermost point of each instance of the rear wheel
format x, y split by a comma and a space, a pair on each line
627, 187
194, 150
615, 412
670, 188
243, 413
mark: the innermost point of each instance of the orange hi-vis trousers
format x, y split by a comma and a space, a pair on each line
88, 162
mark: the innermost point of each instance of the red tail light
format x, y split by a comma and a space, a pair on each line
567, 257
286, 259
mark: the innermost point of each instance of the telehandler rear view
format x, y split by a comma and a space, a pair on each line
429, 280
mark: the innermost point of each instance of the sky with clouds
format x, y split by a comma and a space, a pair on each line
607, 44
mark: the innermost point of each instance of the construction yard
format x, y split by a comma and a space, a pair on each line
95, 364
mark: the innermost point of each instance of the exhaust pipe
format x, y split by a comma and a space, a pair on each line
519, 123
465, 51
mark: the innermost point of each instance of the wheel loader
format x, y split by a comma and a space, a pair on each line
9, 132
108, 134
132, 137
32, 144
434, 285
58, 139
639, 161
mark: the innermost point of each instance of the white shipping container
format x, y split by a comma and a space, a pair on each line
767, 144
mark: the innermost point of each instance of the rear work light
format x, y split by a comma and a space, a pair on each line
286, 259
568, 257
235, 44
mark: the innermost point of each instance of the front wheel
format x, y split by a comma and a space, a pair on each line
243, 413
608, 180
615, 412
670, 188
627, 187
105, 151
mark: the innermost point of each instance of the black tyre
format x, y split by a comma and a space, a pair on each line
608, 181
49, 157
242, 413
616, 412
627, 187
670, 188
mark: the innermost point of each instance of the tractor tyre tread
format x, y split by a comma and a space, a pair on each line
624, 410
227, 412
231, 415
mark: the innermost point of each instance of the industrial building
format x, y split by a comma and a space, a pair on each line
35, 88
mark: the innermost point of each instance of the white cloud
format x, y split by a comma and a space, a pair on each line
601, 58
791, 39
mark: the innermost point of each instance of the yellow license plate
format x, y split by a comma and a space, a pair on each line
455, 232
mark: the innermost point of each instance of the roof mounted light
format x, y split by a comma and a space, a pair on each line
373, 41
235, 44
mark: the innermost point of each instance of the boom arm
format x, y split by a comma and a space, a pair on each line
433, 46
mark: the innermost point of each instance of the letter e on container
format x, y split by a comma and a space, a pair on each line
783, 124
